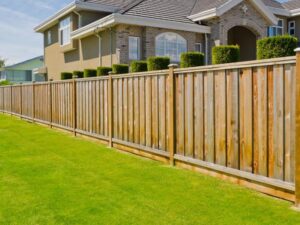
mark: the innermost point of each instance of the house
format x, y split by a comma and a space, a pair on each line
92, 33
27, 71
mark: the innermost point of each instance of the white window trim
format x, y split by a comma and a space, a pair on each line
138, 49
290, 28
49, 37
200, 44
62, 28
165, 49
278, 27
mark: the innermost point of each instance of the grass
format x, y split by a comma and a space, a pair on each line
48, 177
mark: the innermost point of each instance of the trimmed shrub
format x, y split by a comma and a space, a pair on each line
5, 82
120, 68
225, 54
138, 66
66, 75
78, 74
103, 71
158, 63
191, 59
274, 47
89, 73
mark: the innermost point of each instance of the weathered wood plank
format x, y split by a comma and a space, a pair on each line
260, 104
290, 122
233, 118
246, 141
189, 115
220, 117
209, 122
198, 110
180, 110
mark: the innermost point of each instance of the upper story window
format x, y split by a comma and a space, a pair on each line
171, 45
65, 31
134, 48
276, 30
49, 37
292, 28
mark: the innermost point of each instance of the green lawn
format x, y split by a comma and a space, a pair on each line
48, 177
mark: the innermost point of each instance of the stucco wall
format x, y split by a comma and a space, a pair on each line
85, 55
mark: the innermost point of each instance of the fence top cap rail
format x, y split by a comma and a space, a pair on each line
246, 64
139, 74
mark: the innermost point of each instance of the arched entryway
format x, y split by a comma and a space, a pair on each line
246, 39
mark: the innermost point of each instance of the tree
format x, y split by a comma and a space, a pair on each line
2, 62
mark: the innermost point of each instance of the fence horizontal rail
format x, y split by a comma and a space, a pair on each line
235, 119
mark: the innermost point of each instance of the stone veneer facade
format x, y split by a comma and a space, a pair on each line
147, 36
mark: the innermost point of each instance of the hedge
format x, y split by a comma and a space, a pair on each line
89, 73
191, 59
158, 63
103, 71
225, 54
138, 66
278, 46
66, 75
77, 74
120, 68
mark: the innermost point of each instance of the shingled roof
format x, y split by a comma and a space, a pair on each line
172, 10
293, 4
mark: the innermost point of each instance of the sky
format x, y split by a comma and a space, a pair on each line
18, 41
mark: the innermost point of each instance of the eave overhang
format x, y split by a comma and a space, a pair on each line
117, 18
74, 6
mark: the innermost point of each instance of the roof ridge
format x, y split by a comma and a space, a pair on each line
131, 5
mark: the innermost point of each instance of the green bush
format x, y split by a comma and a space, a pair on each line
89, 73
138, 66
120, 68
191, 59
66, 75
5, 82
103, 71
78, 74
158, 63
274, 47
225, 54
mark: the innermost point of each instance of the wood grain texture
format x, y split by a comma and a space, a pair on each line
209, 120
260, 121
246, 141
233, 118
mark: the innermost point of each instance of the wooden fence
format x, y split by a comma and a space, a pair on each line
236, 121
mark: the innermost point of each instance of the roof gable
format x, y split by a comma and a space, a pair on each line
220, 7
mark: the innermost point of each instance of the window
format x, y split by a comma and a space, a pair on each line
198, 47
49, 37
65, 31
292, 28
276, 30
134, 48
171, 45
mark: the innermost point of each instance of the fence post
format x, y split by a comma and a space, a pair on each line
171, 113
11, 101
74, 107
50, 102
33, 102
21, 100
297, 135
110, 109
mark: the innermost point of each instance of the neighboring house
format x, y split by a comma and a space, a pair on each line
26, 71
91, 33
